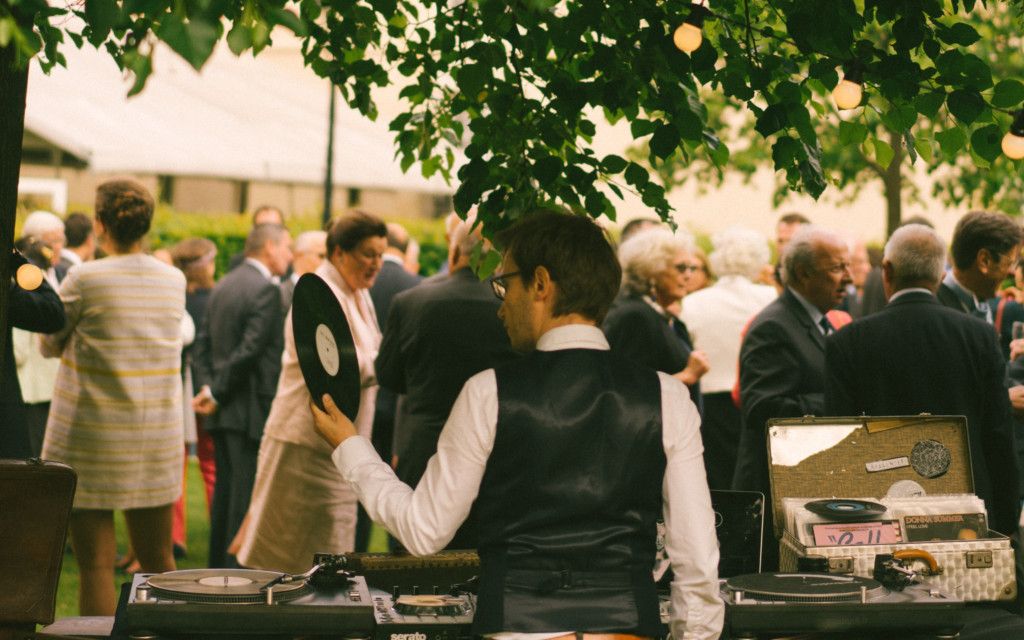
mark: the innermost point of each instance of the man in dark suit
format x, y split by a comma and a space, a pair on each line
916, 356
984, 250
237, 361
782, 359
392, 280
39, 310
435, 338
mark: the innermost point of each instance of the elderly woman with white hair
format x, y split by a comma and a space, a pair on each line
640, 324
716, 317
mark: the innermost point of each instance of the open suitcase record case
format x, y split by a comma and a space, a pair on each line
876, 458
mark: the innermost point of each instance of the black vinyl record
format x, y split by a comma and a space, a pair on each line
324, 345
846, 510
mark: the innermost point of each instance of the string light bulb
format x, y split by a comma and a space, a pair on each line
29, 277
688, 36
850, 90
1013, 141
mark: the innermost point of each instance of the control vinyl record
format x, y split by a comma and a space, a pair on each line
845, 510
324, 345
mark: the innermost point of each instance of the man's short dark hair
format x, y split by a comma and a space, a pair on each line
77, 229
398, 237
260, 235
348, 231
264, 208
794, 218
635, 226
979, 230
577, 254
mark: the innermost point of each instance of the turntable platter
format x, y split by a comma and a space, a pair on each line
431, 605
223, 586
805, 587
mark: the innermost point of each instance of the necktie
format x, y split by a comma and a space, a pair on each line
826, 325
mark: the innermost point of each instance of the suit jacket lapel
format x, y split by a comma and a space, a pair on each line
803, 318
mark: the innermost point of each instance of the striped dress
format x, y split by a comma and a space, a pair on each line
116, 415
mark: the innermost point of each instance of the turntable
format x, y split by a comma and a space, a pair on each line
223, 602
774, 603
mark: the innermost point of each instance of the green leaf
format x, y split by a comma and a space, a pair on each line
141, 67
883, 153
664, 141
928, 104
959, 33
1007, 94
7, 27
102, 16
239, 38
965, 105
900, 117
640, 127
924, 148
472, 78
613, 164
951, 141
852, 133
810, 171
771, 120
986, 142
636, 175
785, 152
289, 20
547, 169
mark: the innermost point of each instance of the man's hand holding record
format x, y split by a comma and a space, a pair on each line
324, 345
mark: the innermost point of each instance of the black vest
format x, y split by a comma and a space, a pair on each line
569, 499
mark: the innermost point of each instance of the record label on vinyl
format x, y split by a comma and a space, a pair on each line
324, 345
327, 349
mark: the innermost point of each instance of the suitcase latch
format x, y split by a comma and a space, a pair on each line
840, 564
978, 559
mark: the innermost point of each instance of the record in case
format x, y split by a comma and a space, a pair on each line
846, 510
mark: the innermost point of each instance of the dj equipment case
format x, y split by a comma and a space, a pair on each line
873, 457
35, 504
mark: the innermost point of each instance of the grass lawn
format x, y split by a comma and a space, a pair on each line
198, 543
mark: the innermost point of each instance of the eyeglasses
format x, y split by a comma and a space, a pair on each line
836, 269
499, 283
682, 267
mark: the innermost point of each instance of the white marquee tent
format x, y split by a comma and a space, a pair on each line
259, 119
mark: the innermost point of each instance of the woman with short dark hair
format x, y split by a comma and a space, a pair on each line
300, 503
116, 415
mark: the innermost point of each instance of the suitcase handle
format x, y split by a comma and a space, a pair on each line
919, 554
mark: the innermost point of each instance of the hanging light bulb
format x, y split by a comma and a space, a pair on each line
688, 35
850, 90
1013, 141
29, 277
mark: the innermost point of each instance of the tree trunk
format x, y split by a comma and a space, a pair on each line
893, 181
13, 84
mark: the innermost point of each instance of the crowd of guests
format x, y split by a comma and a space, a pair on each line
144, 357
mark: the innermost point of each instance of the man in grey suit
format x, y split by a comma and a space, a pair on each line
782, 360
436, 337
237, 363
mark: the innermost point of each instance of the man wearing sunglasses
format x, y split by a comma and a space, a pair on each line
568, 456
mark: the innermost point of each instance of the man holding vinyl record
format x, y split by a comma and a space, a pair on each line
568, 456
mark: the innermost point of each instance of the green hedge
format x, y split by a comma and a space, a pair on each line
228, 232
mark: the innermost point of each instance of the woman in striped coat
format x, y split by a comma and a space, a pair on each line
116, 415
